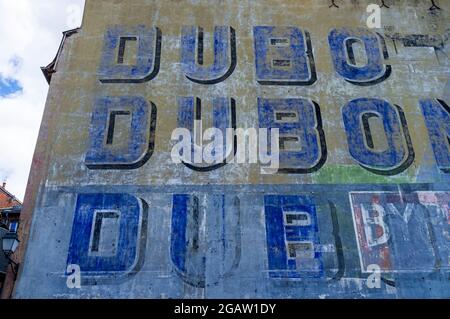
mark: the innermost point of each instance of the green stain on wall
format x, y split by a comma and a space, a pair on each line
352, 174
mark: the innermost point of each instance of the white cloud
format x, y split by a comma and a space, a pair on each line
30, 34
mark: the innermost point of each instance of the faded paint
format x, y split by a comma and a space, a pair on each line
368, 186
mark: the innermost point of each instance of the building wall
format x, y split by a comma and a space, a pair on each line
7, 200
3, 260
9, 221
359, 208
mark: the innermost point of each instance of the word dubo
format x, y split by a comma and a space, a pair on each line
283, 56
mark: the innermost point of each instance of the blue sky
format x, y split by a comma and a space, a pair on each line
30, 34
9, 86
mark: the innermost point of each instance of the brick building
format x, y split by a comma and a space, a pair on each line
10, 209
7, 199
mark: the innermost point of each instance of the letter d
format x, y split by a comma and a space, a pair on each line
264, 309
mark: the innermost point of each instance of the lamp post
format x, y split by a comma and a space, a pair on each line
10, 243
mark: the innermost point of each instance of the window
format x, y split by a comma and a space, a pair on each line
2, 280
13, 226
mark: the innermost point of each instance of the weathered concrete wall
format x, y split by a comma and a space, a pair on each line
366, 189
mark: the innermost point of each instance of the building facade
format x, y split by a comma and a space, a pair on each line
3, 259
356, 203
10, 209
7, 200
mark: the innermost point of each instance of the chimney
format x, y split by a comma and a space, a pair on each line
4, 185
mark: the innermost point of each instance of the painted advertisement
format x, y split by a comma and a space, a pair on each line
241, 149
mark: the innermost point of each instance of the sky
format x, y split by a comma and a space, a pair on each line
30, 34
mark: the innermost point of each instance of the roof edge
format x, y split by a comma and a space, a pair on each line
51, 68
7, 193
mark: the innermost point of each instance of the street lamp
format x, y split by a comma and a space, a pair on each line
10, 243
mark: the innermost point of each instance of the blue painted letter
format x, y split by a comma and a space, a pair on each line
437, 119
108, 235
395, 153
142, 68
374, 71
292, 237
283, 56
190, 117
224, 55
300, 124
128, 147
185, 251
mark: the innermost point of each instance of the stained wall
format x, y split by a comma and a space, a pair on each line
359, 208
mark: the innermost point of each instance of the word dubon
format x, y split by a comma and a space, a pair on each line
297, 145
283, 56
